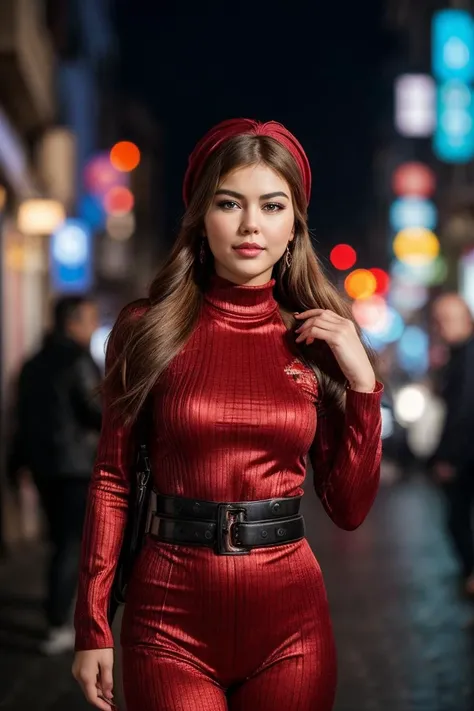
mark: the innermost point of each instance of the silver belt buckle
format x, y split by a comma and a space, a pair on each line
228, 519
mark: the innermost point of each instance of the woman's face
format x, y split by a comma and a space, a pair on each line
251, 207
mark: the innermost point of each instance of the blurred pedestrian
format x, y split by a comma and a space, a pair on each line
453, 461
226, 607
58, 423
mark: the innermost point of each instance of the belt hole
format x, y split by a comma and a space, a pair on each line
264, 534
281, 531
208, 535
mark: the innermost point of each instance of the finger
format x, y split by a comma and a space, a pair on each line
92, 695
333, 331
321, 322
106, 681
308, 314
326, 317
315, 332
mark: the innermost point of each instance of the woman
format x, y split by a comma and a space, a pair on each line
227, 608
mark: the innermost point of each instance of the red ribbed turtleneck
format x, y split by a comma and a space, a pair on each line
234, 419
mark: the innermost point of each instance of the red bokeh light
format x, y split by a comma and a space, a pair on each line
414, 179
382, 279
118, 201
125, 156
343, 256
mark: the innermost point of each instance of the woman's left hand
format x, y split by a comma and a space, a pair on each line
341, 336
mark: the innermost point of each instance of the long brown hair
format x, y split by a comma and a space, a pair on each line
149, 343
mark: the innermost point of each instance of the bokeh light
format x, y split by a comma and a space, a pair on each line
118, 201
431, 274
389, 329
370, 313
416, 245
125, 156
40, 217
414, 179
412, 212
410, 404
343, 256
91, 210
360, 284
408, 296
413, 351
121, 227
100, 176
382, 280
99, 343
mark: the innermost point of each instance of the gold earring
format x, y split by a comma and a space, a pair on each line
288, 257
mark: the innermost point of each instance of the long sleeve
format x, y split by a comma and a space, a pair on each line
345, 457
104, 524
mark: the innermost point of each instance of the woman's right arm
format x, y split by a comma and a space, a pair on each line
106, 516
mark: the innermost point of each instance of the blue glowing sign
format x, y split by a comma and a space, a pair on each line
453, 45
71, 257
91, 210
453, 140
412, 212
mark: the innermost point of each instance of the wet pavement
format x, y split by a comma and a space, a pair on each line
405, 636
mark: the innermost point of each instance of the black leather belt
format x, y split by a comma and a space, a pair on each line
230, 528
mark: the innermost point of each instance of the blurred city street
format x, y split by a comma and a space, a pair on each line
405, 636
140, 143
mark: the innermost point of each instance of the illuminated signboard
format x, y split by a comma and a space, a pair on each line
453, 46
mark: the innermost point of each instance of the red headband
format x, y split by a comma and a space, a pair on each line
237, 127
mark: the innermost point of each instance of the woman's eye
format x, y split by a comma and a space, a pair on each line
273, 207
227, 204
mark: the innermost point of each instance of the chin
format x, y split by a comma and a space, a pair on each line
252, 271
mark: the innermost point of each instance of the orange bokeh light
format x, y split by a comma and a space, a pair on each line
343, 256
125, 156
360, 284
118, 201
382, 279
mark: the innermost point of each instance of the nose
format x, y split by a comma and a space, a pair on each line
249, 226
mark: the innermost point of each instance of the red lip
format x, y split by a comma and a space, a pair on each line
248, 245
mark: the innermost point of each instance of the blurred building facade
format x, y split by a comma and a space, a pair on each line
411, 23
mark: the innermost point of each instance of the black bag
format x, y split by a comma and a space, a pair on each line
135, 530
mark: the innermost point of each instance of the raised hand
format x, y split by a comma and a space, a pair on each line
341, 336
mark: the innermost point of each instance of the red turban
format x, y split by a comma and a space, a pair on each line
237, 127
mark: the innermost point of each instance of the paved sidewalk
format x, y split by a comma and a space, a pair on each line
405, 636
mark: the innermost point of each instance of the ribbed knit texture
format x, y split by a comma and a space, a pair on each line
235, 418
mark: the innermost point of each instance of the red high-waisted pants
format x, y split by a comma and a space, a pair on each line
205, 632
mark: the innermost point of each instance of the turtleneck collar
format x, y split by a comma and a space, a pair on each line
241, 301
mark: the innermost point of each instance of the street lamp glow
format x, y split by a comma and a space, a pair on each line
40, 217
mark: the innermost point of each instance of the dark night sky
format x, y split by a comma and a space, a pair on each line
315, 69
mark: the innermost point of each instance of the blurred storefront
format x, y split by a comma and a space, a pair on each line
26, 107
61, 199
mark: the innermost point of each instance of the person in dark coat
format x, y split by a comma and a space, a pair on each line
58, 424
453, 461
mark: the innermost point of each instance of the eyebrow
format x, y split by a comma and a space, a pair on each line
267, 196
